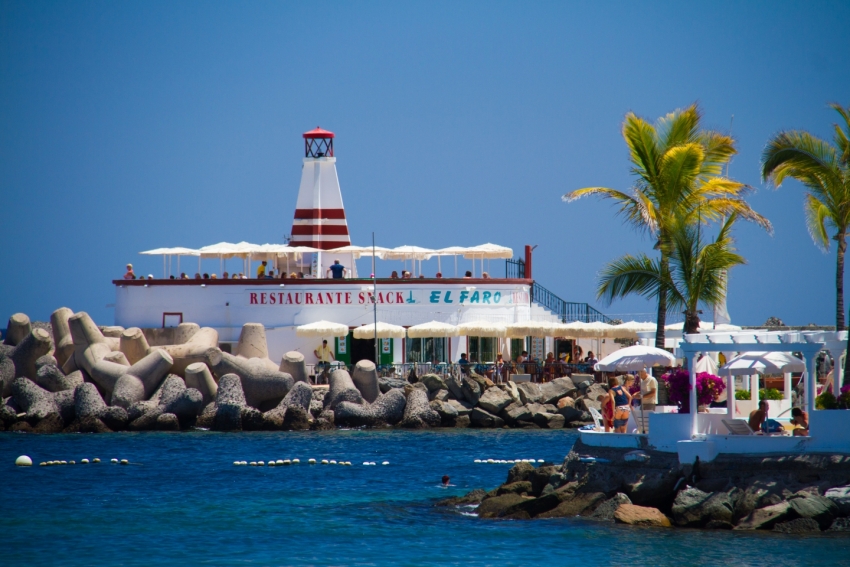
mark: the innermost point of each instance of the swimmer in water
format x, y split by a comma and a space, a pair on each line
446, 480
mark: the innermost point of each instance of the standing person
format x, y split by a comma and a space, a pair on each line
337, 271
499, 368
325, 355
621, 399
648, 394
130, 275
261, 270
463, 363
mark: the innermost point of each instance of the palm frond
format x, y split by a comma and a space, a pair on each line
628, 275
641, 139
842, 135
679, 127
801, 156
816, 216
719, 149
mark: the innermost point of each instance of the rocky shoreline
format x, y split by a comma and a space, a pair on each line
71, 376
793, 495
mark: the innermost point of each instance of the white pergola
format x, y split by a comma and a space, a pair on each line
808, 344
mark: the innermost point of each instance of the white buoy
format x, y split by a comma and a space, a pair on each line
287, 462
123, 462
365, 463
279, 462
84, 462
261, 463
296, 461
272, 463
385, 463
113, 460
490, 461
477, 460
540, 461
95, 460
253, 463
72, 462
236, 463
332, 462
42, 464
63, 462
312, 461
325, 462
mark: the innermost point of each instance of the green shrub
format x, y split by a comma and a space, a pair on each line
770, 394
742, 395
826, 401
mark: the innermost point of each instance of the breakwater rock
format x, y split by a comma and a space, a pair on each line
786, 494
74, 376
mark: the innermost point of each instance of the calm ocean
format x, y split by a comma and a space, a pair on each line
182, 502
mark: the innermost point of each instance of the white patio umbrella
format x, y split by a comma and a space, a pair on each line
488, 251
321, 329
450, 251
165, 252
594, 330
482, 329
385, 331
754, 362
534, 329
358, 251
706, 364
407, 252
634, 358
630, 329
432, 329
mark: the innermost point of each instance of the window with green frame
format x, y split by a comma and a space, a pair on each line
517, 346
482, 349
426, 350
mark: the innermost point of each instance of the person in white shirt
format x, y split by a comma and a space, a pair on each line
648, 395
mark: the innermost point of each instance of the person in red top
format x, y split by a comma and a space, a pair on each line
130, 275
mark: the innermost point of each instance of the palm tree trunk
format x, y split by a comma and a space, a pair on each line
839, 281
662, 304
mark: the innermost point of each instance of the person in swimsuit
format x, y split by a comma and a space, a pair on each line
622, 401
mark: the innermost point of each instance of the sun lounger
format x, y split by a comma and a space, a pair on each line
597, 419
738, 427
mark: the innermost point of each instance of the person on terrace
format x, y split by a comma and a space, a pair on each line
467, 275
130, 275
800, 420
757, 417
439, 274
261, 270
336, 271
648, 394
622, 400
394, 275
464, 363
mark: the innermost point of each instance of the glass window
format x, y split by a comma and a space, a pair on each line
426, 350
482, 349
517, 346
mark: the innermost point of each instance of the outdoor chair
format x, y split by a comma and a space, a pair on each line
597, 419
738, 427
641, 421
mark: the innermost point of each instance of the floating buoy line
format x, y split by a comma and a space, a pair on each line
507, 462
291, 462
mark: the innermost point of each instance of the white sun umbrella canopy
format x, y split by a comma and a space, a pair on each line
706, 364
177, 251
358, 251
482, 329
321, 329
385, 331
594, 330
450, 251
754, 362
630, 329
534, 329
489, 251
432, 329
408, 253
633, 358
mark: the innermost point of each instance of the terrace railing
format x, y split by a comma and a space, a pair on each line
568, 311
515, 269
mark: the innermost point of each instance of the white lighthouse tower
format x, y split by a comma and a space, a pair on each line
319, 213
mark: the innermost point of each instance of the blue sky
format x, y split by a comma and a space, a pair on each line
126, 126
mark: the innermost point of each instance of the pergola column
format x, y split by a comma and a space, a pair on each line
692, 356
730, 396
811, 381
787, 390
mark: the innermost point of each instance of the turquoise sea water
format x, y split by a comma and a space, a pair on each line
182, 502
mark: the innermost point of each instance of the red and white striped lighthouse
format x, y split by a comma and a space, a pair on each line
319, 213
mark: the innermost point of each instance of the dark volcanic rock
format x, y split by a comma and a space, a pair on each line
798, 526
115, 418
34, 400
496, 506
482, 418
605, 511
167, 422
51, 423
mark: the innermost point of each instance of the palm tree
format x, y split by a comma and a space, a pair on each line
825, 172
696, 273
678, 169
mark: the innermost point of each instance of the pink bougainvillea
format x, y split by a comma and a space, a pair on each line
708, 386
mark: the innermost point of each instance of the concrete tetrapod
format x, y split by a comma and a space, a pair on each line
35, 401
388, 409
25, 353
418, 412
198, 376
293, 364
229, 402
259, 383
62, 342
341, 388
17, 328
365, 379
252, 342
134, 345
139, 381
199, 345
300, 396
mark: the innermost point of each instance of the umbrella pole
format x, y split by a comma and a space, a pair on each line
164, 276
439, 267
199, 263
178, 262
455, 266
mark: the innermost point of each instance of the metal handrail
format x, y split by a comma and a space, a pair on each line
568, 311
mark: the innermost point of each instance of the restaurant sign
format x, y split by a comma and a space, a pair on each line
461, 296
